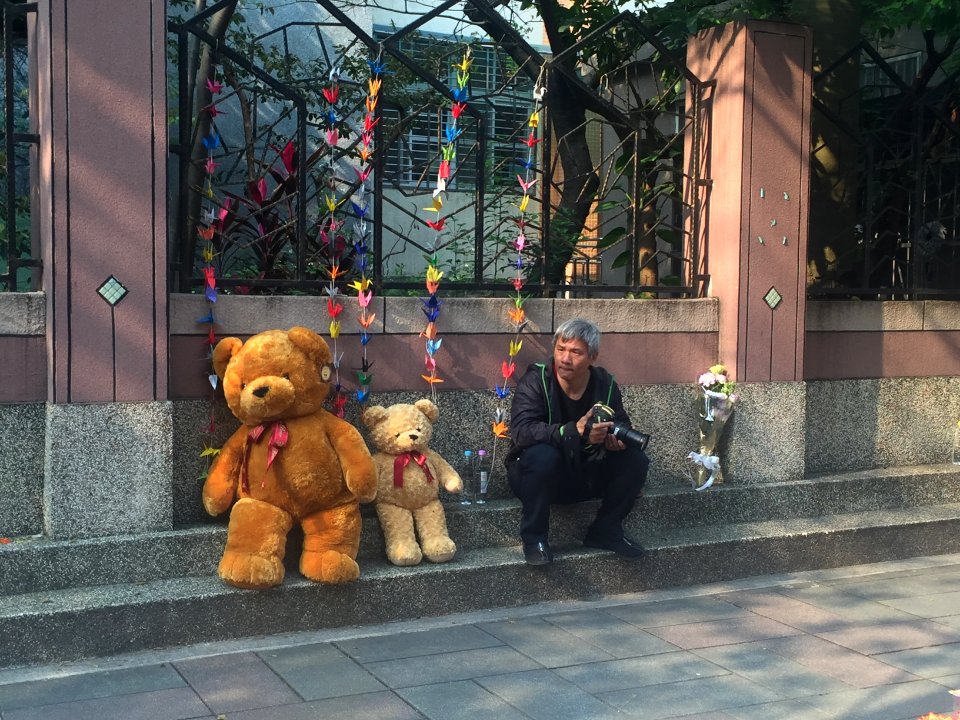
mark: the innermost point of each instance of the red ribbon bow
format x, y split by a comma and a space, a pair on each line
278, 439
402, 461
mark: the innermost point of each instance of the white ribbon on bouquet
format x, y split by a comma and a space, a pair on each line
710, 462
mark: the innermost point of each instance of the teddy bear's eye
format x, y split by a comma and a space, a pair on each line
286, 376
242, 385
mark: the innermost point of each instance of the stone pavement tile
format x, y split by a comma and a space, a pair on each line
787, 678
238, 681
675, 612
951, 682
792, 709
542, 695
846, 604
838, 662
788, 610
926, 662
618, 638
950, 620
689, 696
638, 672
377, 706
449, 667
125, 681
891, 636
723, 632
939, 580
891, 702
464, 700
320, 671
548, 644
928, 605
426, 642
174, 704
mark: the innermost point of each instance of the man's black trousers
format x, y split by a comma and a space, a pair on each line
541, 477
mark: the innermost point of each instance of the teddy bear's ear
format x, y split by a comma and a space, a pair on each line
223, 352
311, 344
428, 408
374, 415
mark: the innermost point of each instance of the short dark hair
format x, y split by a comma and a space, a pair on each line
579, 329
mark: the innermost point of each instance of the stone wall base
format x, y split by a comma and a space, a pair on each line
92, 470
108, 469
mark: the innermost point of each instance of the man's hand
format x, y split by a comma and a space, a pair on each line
598, 431
611, 443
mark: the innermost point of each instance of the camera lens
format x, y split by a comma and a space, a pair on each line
626, 434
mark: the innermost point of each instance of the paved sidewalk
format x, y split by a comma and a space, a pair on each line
877, 642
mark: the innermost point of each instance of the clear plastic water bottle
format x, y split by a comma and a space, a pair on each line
483, 476
466, 470
956, 444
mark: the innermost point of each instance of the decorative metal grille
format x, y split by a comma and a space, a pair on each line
631, 230
885, 196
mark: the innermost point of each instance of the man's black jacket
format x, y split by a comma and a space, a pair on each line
535, 413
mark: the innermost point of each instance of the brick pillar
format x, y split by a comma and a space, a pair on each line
102, 170
103, 140
757, 156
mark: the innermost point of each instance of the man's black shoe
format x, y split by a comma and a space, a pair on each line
623, 546
537, 553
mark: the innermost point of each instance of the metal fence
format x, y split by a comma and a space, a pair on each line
608, 215
885, 200
19, 260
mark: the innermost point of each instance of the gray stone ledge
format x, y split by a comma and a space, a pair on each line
864, 316
468, 315
246, 315
23, 313
628, 316
941, 315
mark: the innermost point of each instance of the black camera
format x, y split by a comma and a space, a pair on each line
621, 431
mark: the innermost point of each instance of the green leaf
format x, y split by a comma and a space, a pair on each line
611, 238
621, 260
671, 236
608, 205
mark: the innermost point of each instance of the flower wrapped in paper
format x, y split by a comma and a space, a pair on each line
714, 405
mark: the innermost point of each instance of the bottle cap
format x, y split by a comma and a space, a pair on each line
481, 452
468, 453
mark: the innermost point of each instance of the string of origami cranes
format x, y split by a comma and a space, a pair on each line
333, 240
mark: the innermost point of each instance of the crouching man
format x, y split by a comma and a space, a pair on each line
561, 453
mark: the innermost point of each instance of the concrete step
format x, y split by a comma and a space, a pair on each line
83, 622
38, 564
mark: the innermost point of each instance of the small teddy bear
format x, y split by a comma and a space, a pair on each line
408, 477
290, 462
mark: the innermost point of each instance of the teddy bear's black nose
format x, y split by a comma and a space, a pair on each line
262, 391
413, 437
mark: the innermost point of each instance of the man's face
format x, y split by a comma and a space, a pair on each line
571, 358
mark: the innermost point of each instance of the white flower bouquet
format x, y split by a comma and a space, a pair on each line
714, 405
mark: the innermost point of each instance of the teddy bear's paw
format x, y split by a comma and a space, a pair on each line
404, 553
362, 485
329, 566
439, 549
244, 570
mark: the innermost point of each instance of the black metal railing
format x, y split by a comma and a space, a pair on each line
885, 200
631, 232
19, 263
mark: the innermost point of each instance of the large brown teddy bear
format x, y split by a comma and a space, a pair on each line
291, 461
408, 475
